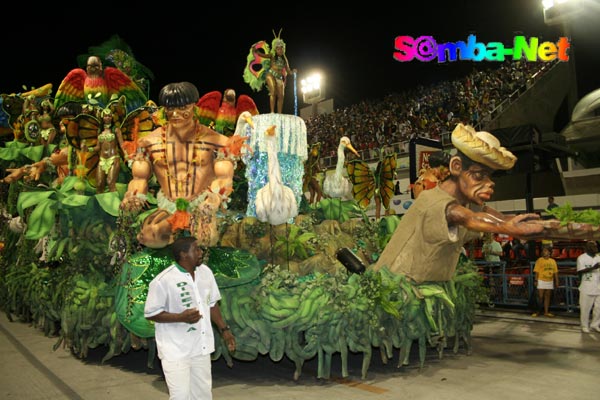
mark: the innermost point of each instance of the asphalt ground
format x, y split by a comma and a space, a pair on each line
514, 356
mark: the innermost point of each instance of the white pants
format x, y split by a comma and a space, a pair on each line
586, 302
189, 379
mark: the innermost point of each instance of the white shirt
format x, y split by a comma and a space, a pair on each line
590, 281
174, 290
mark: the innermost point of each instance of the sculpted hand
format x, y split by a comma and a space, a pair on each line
212, 202
37, 170
523, 225
133, 203
15, 175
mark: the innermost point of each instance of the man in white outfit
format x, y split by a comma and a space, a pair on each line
589, 287
183, 302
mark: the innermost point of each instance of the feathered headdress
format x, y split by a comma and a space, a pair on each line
278, 41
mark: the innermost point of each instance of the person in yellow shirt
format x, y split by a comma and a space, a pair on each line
546, 279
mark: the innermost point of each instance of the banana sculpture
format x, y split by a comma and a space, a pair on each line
283, 315
301, 319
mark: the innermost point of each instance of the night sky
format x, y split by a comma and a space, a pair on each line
208, 46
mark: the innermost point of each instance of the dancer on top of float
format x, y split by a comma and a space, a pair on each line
275, 68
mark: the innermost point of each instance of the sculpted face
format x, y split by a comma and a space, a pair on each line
229, 95
107, 118
180, 116
476, 184
94, 66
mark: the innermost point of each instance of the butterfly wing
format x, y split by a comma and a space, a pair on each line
385, 173
137, 124
82, 132
363, 182
82, 129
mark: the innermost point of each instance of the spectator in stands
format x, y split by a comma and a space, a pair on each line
548, 211
420, 111
551, 203
546, 279
492, 250
506, 249
589, 287
514, 250
518, 248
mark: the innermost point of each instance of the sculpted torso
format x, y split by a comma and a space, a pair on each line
183, 166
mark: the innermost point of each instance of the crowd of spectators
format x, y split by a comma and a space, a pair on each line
426, 112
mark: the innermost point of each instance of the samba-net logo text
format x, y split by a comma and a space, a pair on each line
425, 49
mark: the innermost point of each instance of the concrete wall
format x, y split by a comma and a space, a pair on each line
539, 103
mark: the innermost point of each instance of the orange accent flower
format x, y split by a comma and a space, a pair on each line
180, 220
235, 145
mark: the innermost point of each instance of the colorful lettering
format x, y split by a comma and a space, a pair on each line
425, 49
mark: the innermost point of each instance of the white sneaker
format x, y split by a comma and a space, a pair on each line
596, 328
585, 330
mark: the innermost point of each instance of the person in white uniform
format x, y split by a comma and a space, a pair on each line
183, 301
589, 287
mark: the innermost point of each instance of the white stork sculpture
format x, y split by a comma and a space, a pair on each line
275, 202
337, 185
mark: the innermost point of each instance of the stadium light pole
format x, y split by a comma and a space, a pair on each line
312, 91
562, 12
558, 11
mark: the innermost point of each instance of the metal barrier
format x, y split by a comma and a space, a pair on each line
513, 286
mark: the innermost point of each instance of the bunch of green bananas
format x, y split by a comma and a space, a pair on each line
87, 314
92, 238
321, 315
34, 296
318, 315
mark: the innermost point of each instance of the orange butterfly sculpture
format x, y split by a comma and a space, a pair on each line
367, 183
83, 130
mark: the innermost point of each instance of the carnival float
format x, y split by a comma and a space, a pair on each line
294, 277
